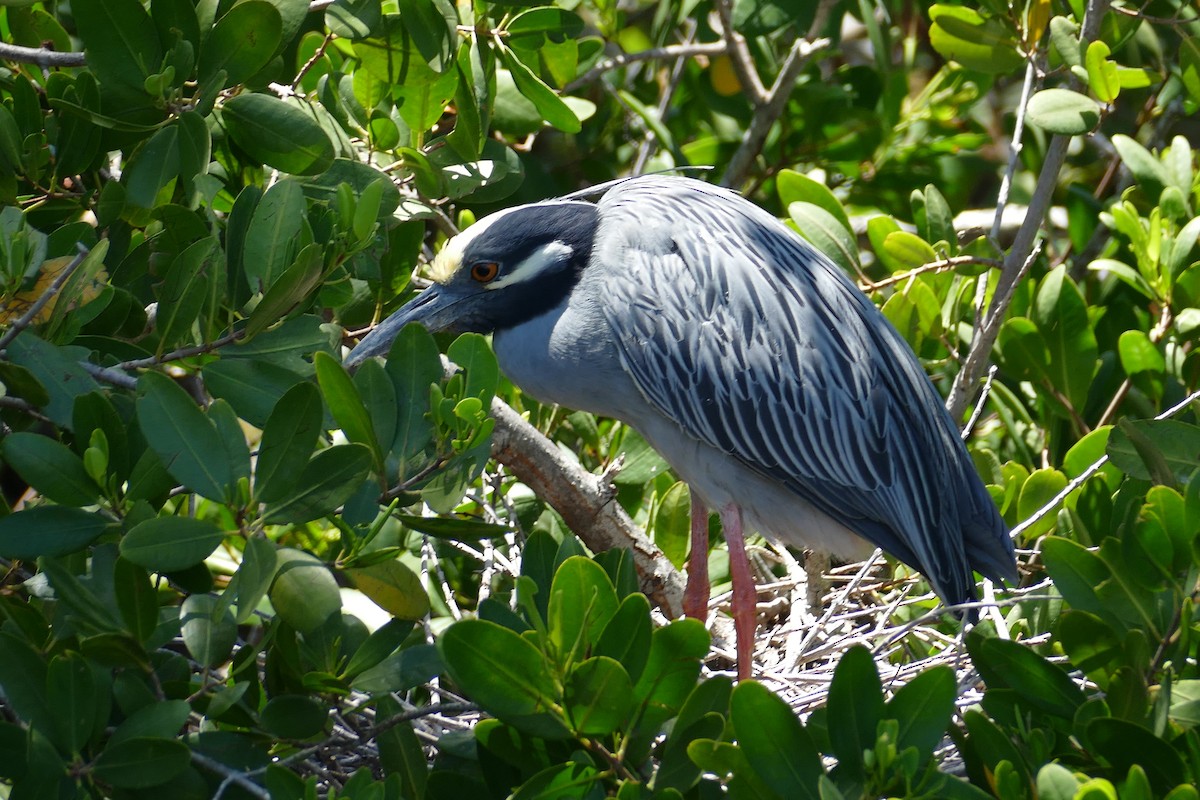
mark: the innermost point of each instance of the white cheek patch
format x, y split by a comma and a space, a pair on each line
545, 258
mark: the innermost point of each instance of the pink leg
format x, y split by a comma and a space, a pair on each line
695, 597
745, 596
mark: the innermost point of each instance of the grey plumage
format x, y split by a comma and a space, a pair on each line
758, 370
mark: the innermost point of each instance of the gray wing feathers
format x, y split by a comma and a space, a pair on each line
757, 345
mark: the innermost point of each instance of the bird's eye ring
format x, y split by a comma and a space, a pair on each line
485, 271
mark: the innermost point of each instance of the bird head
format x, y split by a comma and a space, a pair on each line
509, 267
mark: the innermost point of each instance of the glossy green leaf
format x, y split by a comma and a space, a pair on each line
48, 531
241, 43
271, 234
293, 716
1042, 486
278, 133
190, 280
160, 720
906, 250
62, 377
137, 599
1146, 448
209, 630
796, 187
671, 523
378, 646
1102, 73
50, 468
1125, 744
856, 706
431, 23
304, 593
170, 544
345, 404
582, 601
453, 528
182, 436
472, 353
152, 167
327, 481
776, 745
290, 291
923, 707
963, 34
1147, 169
1063, 112
597, 696
552, 108
671, 668
393, 587
120, 42
1060, 313
254, 576
827, 234
76, 694
500, 670
141, 763
401, 671
288, 440
1042, 685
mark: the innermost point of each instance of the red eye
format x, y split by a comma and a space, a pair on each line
485, 271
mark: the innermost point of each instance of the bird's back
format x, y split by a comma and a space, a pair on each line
753, 343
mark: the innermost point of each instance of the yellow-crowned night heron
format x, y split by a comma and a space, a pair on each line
766, 379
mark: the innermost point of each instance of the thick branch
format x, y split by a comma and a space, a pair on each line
585, 501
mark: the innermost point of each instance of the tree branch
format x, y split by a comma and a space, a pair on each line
683, 50
40, 56
586, 502
54, 288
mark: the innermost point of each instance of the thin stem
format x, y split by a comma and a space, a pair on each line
183, 352
671, 51
40, 56
53, 289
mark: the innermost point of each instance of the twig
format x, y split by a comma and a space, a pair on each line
41, 56
933, 266
739, 56
54, 288
183, 352
240, 779
671, 51
978, 412
1017, 260
767, 112
109, 375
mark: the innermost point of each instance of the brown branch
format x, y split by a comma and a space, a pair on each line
933, 266
683, 50
586, 502
183, 352
739, 56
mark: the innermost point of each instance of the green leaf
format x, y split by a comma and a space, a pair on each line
827, 234
1189, 66
627, 636
498, 669
1056, 782
597, 696
209, 630
378, 646
431, 23
1147, 169
778, 748
171, 544
159, 720
271, 236
141, 762
346, 405
327, 481
292, 716
452, 527
1102, 73
1154, 449
120, 41
671, 668
906, 250
154, 165
1063, 112
472, 353
401, 671
1040, 488
182, 436
1061, 315
1125, 744
304, 594
393, 587
61, 376
962, 34
1040, 684
923, 708
855, 708
48, 531
582, 601
796, 187
190, 280
137, 599
288, 294
254, 575
549, 105
241, 43
50, 468
278, 133
76, 694
288, 440
251, 385
671, 523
